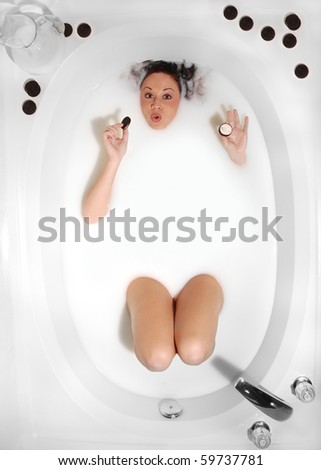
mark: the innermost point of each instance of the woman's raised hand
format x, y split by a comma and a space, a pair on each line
235, 143
116, 146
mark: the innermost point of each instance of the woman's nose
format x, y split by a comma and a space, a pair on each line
156, 104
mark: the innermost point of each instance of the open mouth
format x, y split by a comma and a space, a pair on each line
155, 117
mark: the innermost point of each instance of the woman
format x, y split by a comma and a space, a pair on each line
163, 326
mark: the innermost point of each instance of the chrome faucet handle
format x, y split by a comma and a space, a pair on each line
260, 434
303, 389
264, 400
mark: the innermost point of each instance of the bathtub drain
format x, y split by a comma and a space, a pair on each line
170, 408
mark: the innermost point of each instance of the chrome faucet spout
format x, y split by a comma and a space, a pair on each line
264, 400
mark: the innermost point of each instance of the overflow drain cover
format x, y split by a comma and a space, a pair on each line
170, 408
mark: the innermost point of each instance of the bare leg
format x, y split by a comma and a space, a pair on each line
150, 307
197, 309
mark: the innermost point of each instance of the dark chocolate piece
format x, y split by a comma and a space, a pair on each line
125, 122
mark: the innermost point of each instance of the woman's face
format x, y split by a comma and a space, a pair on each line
159, 99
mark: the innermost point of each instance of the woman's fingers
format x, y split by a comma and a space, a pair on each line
112, 133
234, 119
246, 124
230, 118
125, 135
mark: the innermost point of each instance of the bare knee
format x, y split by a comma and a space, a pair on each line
208, 279
194, 351
209, 282
143, 288
139, 283
156, 359
142, 281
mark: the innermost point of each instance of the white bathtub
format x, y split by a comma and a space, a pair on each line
69, 377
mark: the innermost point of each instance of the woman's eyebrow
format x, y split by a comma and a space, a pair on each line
165, 89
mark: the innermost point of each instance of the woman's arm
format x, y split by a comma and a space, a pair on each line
97, 199
236, 142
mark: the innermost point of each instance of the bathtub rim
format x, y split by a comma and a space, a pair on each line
108, 33
16, 264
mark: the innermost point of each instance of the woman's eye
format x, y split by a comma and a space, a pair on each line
167, 97
148, 96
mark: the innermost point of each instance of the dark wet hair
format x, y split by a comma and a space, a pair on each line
184, 75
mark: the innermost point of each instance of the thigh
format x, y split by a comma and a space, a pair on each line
196, 318
150, 306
